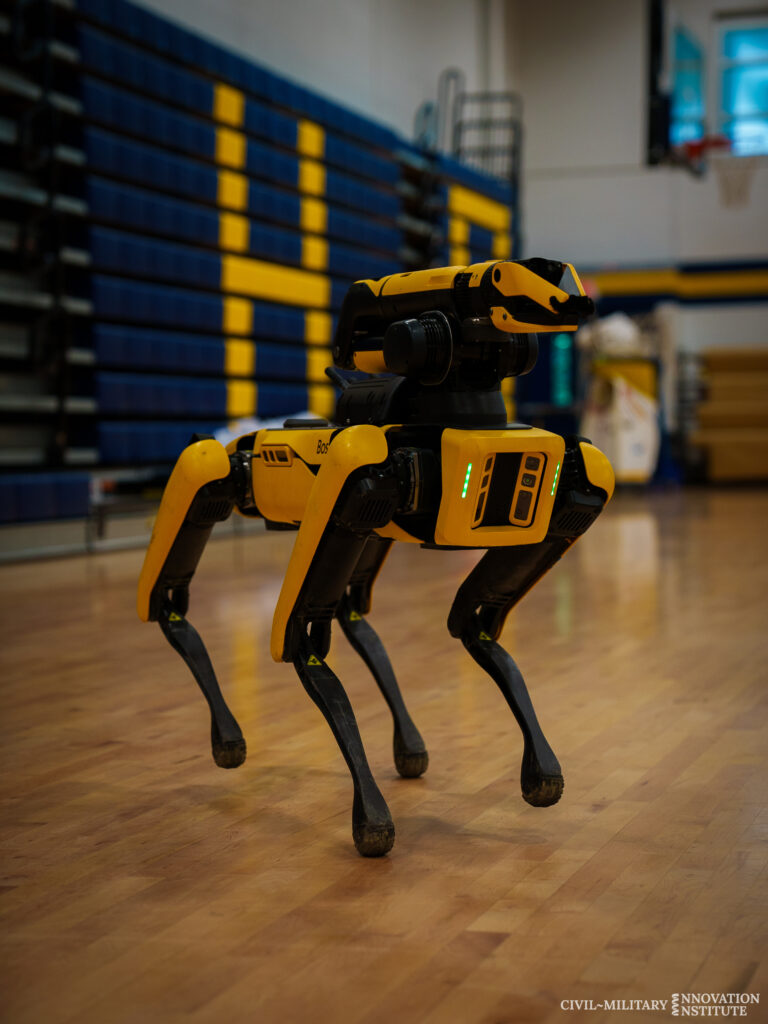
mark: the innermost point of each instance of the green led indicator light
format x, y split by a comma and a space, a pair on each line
466, 480
557, 474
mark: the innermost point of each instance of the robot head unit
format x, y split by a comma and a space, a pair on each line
452, 330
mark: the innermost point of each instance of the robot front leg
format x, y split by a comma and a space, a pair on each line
201, 491
373, 830
502, 577
410, 753
351, 498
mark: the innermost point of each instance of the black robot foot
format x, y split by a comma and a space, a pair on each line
373, 830
374, 839
545, 792
410, 761
541, 779
411, 766
230, 754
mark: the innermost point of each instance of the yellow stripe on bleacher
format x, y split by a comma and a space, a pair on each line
459, 256
230, 148
232, 190
463, 202
237, 316
261, 280
314, 252
723, 282
314, 215
321, 399
310, 139
317, 327
234, 231
636, 282
502, 245
311, 177
228, 104
317, 359
686, 285
241, 398
458, 231
239, 357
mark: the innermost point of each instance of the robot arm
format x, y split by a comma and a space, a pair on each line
493, 301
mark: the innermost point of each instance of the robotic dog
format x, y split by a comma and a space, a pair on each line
420, 451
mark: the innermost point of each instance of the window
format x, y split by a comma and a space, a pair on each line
688, 118
744, 84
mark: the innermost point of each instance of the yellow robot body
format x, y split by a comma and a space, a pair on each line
421, 452
284, 469
498, 486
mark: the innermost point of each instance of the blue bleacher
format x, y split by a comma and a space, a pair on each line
140, 70
152, 167
142, 443
155, 233
494, 188
156, 260
119, 60
29, 497
109, 154
481, 241
155, 32
123, 345
141, 210
116, 298
147, 119
122, 253
148, 211
138, 302
123, 158
141, 394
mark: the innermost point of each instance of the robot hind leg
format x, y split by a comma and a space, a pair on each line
502, 577
410, 753
308, 640
498, 580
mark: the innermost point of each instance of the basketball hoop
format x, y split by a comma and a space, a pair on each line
734, 178
693, 154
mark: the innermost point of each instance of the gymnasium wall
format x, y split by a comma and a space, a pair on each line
588, 195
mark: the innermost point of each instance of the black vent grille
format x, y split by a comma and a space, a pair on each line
214, 511
376, 510
571, 477
575, 522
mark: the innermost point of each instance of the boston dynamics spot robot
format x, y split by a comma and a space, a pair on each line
419, 451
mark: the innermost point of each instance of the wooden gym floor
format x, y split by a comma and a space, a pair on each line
141, 883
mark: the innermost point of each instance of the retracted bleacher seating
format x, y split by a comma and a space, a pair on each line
224, 212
